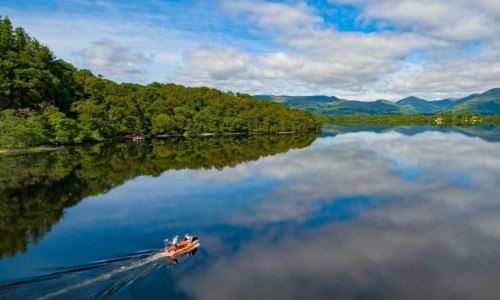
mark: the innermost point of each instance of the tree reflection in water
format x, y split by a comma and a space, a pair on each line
36, 188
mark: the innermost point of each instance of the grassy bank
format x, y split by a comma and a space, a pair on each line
445, 119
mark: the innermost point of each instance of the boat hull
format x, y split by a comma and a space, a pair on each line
185, 249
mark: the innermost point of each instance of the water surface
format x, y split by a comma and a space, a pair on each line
377, 213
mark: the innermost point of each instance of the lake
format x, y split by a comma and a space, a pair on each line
354, 213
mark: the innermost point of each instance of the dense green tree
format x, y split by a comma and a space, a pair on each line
163, 124
62, 130
67, 90
92, 120
26, 78
86, 107
21, 129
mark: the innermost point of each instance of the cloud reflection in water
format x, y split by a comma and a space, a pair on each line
435, 235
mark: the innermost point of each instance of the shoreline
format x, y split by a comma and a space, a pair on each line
138, 139
30, 150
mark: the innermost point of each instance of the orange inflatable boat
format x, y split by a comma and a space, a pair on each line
189, 243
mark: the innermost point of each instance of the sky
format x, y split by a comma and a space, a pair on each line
352, 49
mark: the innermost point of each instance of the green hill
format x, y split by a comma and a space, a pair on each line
375, 107
334, 105
297, 100
485, 103
420, 105
44, 100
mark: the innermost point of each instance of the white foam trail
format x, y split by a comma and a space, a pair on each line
105, 276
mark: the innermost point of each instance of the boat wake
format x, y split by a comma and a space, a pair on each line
92, 281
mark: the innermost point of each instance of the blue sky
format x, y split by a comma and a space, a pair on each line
356, 49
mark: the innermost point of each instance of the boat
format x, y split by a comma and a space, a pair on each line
188, 244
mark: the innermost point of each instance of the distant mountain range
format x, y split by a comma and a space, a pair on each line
485, 103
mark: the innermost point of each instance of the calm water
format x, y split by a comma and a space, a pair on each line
357, 213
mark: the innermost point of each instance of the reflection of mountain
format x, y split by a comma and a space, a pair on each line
35, 188
484, 132
333, 130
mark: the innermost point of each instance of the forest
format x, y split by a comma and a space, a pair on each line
47, 101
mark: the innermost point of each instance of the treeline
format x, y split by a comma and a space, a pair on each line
44, 100
35, 188
493, 119
443, 120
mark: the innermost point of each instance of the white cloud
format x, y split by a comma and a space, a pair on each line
67, 33
277, 16
466, 59
219, 64
318, 58
450, 77
109, 57
429, 48
225, 68
324, 61
451, 20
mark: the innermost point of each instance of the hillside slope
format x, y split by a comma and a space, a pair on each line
485, 103
44, 100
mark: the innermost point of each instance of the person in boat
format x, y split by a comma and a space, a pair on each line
174, 242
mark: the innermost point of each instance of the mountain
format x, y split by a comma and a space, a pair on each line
492, 93
443, 103
297, 100
375, 107
315, 104
485, 103
421, 105
334, 105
